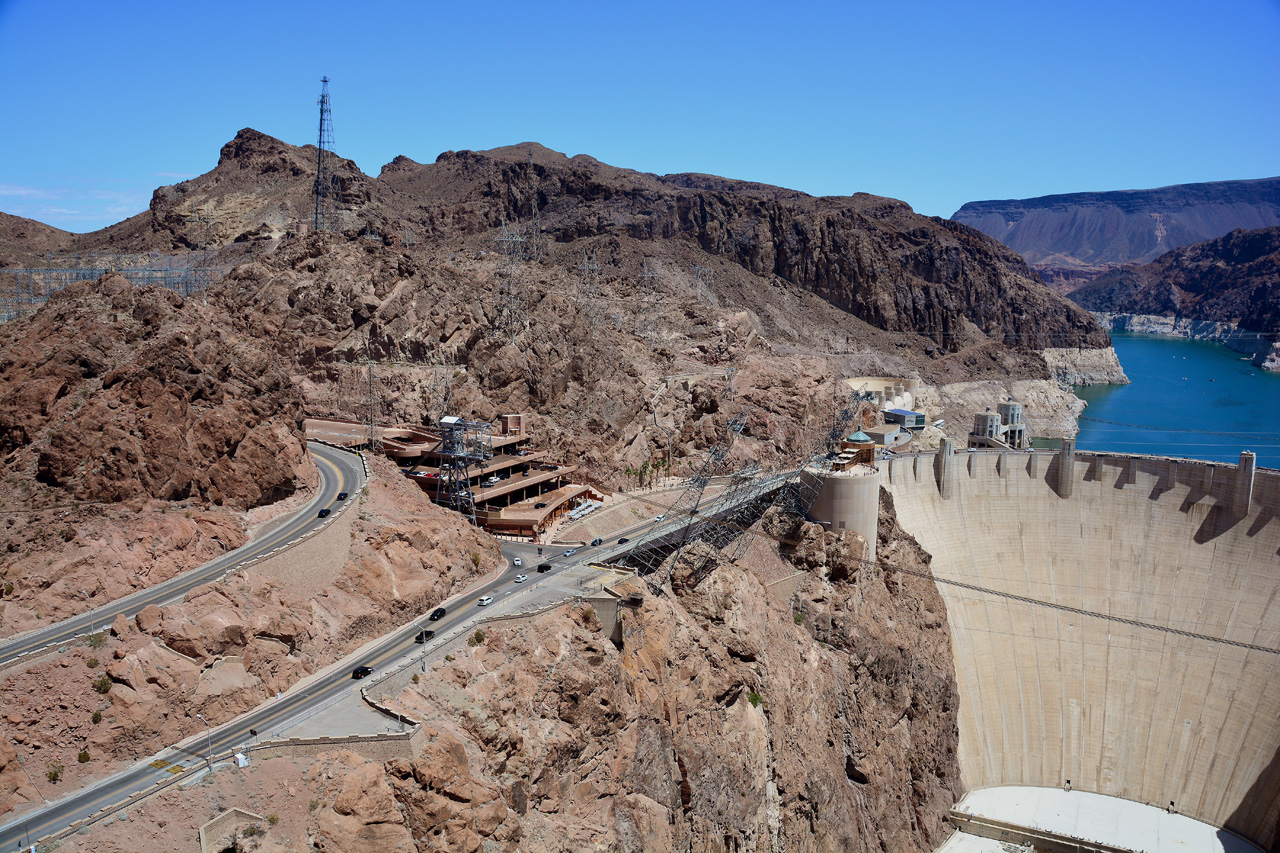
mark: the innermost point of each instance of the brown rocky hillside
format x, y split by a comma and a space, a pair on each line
1233, 279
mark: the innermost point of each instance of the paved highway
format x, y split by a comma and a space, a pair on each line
332, 684
340, 471
237, 733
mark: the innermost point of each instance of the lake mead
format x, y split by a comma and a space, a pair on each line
1185, 398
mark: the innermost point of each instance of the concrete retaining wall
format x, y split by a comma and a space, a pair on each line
380, 747
1141, 712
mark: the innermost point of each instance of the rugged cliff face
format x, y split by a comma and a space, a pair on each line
872, 257
726, 718
1071, 239
1233, 279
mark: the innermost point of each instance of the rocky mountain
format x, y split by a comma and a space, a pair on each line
24, 242
1072, 238
114, 395
1233, 279
137, 423
1225, 290
872, 257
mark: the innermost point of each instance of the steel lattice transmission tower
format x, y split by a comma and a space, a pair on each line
373, 405
511, 319
534, 247
589, 293
645, 318
326, 188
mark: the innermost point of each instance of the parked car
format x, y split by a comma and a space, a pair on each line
539, 506
436, 614
517, 562
342, 496
624, 540
544, 567
423, 636
485, 600
596, 541
521, 578
324, 513
362, 672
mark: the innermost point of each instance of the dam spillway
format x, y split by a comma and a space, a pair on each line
1115, 623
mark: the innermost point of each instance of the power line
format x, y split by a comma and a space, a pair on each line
1180, 429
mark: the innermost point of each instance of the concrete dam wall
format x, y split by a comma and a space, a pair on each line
1115, 621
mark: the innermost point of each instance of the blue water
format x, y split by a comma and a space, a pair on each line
1186, 398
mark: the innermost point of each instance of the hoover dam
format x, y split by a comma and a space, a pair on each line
1115, 622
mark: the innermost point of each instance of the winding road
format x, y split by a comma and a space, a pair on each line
340, 471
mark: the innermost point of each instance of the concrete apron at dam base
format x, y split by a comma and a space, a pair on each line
1115, 624
992, 820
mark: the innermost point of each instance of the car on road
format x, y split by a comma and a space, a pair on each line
539, 506
570, 552
485, 600
423, 636
362, 672
544, 567
436, 614
342, 496
662, 517
597, 541
324, 513
517, 562
521, 578
624, 540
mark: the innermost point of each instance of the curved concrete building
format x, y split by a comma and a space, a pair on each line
1115, 622
849, 500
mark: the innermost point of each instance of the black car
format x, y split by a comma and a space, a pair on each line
436, 614
342, 496
423, 636
539, 506
623, 540
324, 513
596, 541
362, 672
544, 567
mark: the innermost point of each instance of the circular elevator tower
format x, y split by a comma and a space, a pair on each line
848, 499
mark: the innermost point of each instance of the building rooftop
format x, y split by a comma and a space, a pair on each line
859, 436
907, 412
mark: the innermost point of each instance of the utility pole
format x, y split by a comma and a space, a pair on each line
645, 320
589, 294
373, 403
198, 278
535, 222
208, 760
325, 217
511, 320
702, 280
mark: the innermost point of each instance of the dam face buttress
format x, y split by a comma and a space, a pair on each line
1115, 621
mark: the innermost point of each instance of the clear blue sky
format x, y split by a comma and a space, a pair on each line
935, 103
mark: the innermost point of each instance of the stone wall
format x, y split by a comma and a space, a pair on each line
1115, 623
213, 834
381, 747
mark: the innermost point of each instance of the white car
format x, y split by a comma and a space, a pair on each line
485, 600
662, 517
517, 562
521, 578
